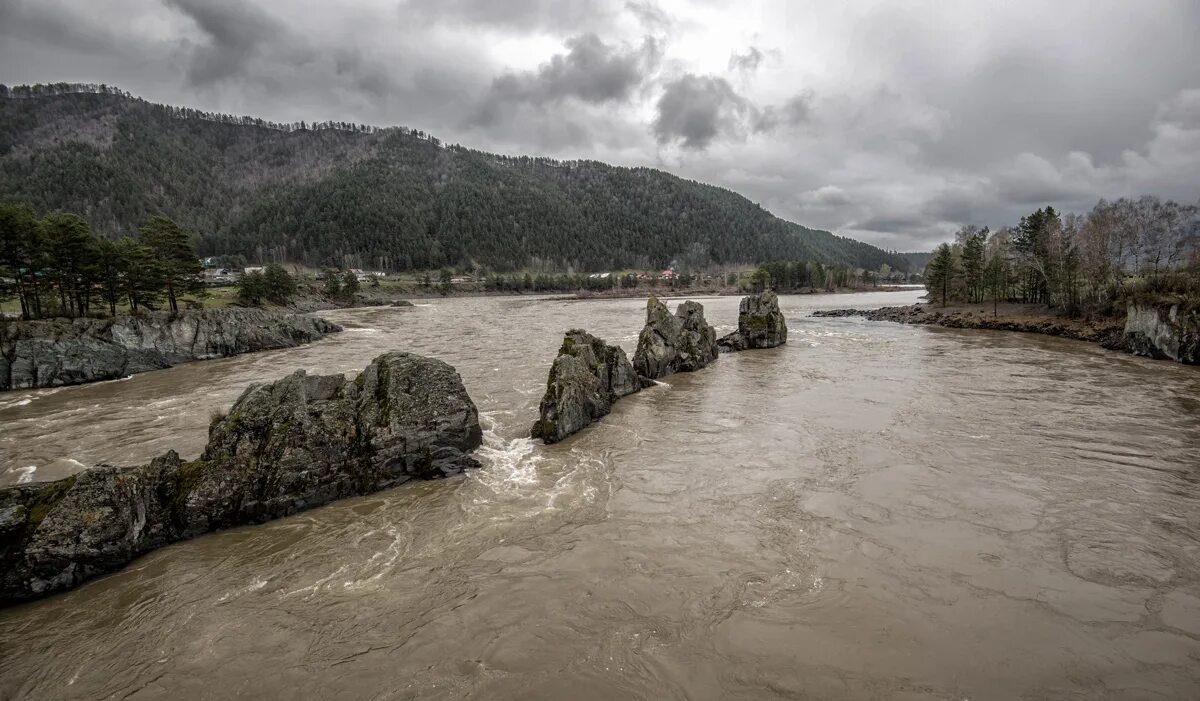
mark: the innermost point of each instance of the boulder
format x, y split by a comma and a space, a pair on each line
54, 352
671, 343
586, 378
760, 324
285, 446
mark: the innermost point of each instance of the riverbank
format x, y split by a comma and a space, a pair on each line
56, 352
1145, 330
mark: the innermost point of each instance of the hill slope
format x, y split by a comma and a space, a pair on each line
381, 198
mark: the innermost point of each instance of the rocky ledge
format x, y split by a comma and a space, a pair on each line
760, 324
285, 446
587, 377
56, 352
1165, 331
671, 343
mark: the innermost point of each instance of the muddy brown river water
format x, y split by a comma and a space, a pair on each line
871, 511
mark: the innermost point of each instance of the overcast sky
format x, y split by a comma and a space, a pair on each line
891, 122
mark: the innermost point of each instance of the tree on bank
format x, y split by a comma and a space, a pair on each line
279, 285
176, 258
57, 265
941, 272
273, 284
333, 285
349, 286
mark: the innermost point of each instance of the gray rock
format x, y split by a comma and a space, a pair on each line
760, 324
284, 446
587, 377
54, 352
671, 343
1166, 332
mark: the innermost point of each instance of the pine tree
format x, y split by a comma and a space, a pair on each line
941, 271
176, 256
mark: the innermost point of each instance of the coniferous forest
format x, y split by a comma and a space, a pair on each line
350, 195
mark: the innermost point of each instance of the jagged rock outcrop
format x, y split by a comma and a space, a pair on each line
54, 352
671, 343
285, 446
760, 324
1162, 331
587, 377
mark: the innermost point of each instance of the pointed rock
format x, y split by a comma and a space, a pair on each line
671, 343
760, 324
587, 377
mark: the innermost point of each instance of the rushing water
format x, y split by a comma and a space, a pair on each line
871, 511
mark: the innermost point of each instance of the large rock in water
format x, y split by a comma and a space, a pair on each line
1166, 332
670, 343
285, 446
760, 324
587, 377
54, 352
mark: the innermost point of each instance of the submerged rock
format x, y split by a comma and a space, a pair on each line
1167, 332
285, 446
760, 324
54, 352
671, 343
587, 377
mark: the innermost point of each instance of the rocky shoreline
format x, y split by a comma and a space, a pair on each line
284, 447
1154, 331
56, 352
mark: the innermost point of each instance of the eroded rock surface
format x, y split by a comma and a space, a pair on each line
760, 324
54, 352
671, 343
587, 377
285, 446
1168, 332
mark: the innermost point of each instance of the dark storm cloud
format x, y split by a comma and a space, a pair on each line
234, 30
694, 109
590, 70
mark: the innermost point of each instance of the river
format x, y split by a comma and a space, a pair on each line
871, 511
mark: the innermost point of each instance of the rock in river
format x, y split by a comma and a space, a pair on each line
285, 446
760, 324
670, 343
587, 377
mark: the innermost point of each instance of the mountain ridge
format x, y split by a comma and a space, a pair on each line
336, 193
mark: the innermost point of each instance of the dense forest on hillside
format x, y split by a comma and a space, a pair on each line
342, 194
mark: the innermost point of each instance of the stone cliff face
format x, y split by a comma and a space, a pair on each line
284, 447
1166, 332
760, 324
58, 352
587, 377
682, 342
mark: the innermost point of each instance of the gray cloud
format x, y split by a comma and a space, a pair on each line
234, 30
694, 109
591, 71
513, 14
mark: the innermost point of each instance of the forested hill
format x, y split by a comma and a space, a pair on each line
396, 199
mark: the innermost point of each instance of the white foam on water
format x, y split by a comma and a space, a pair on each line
24, 474
511, 464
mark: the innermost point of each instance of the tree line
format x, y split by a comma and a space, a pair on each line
57, 266
1076, 262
